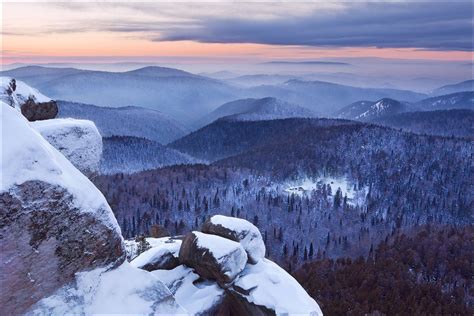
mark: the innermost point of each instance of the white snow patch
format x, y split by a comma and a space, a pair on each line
124, 290
271, 286
27, 156
78, 140
196, 298
355, 196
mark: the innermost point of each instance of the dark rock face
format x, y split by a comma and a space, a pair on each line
205, 263
164, 262
39, 111
45, 240
235, 304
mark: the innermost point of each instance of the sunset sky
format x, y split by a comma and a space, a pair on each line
44, 32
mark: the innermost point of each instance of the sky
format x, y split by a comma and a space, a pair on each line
114, 31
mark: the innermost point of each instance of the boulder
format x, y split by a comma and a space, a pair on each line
265, 288
78, 140
156, 258
36, 111
213, 257
238, 230
53, 221
196, 295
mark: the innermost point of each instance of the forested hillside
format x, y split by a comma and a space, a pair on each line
337, 191
425, 272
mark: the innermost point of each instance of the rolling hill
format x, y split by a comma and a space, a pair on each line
126, 121
255, 110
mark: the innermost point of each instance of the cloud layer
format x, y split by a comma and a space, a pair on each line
431, 26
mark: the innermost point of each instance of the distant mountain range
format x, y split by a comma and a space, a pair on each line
459, 123
368, 110
467, 85
306, 62
186, 96
126, 154
177, 93
326, 97
126, 121
256, 109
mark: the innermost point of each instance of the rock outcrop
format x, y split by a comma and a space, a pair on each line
32, 104
202, 283
155, 259
37, 111
213, 257
53, 221
78, 140
238, 230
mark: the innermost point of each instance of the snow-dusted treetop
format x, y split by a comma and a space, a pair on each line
27, 156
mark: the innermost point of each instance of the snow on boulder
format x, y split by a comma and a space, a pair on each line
156, 258
267, 287
78, 140
239, 230
197, 296
171, 243
53, 221
32, 104
125, 290
213, 257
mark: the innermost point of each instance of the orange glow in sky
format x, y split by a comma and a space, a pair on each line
47, 33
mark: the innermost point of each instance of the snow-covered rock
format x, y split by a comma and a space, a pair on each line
156, 258
170, 243
270, 288
197, 296
15, 92
54, 221
78, 140
238, 230
213, 257
125, 290
32, 104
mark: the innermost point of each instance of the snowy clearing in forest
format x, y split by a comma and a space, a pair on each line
305, 186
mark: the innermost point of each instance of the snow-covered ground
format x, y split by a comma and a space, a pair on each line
124, 290
195, 295
349, 189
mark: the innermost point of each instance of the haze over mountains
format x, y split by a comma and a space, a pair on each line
126, 121
187, 97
